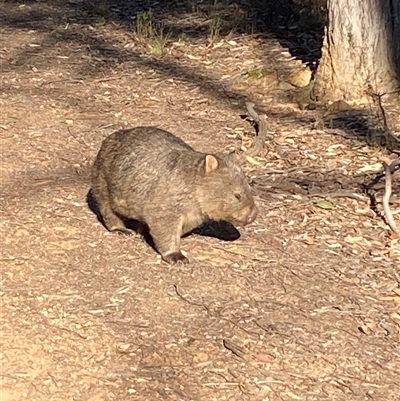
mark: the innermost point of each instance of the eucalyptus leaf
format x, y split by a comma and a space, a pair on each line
252, 160
324, 204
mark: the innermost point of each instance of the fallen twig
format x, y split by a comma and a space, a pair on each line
234, 348
338, 194
67, 80
386, 197
393, 167
261, 129
392, 142
181, 296
389, 170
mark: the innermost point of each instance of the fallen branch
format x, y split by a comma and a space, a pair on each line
386, 197
338, 194
392, 142
261, 129
389, 170
393, 167
292, 187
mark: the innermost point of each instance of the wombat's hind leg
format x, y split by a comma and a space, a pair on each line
110, 219
113, 222
123, 231
168, 242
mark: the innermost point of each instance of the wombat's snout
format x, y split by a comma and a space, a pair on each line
247, 215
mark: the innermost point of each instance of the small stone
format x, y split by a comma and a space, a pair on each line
200, 357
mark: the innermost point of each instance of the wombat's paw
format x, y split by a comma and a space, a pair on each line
176, 257
122, 231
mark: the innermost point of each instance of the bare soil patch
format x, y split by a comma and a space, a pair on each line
303, 306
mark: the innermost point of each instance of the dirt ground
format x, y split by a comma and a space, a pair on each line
305, 305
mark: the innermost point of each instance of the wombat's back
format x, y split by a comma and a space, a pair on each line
141, 149
157, 139
145, 161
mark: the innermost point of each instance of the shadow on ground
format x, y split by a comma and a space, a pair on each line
297, 26
221, 230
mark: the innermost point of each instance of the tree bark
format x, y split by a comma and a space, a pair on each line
361, 50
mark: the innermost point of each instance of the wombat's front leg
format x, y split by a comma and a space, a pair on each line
168, 241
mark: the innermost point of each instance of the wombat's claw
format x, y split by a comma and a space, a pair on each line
122, 231
176, 257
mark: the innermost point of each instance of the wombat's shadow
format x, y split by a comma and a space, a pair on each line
221, 230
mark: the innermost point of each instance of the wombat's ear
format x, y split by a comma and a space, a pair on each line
211, 164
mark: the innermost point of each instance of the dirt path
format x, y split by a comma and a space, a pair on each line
304, 306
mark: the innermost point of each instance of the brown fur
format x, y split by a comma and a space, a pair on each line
150, 175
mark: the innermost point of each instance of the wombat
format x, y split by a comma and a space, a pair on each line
150, 175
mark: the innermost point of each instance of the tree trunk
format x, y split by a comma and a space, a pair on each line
361, 50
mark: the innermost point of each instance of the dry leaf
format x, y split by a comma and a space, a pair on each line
370, 167
193, 57
324, 204
253, 160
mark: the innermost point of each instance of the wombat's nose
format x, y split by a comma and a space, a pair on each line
253, 215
